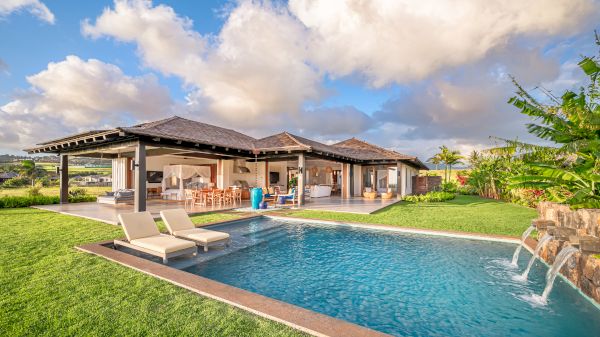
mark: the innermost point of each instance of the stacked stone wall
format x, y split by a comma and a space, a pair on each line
569, 227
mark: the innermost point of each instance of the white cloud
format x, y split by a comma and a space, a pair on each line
255, 67
463, 108
75, 94
4, 68
268, 61
35, 7
390, 41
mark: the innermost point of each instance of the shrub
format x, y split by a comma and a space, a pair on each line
15, 182
26, 201
430, 197
34, 191
449, 186
467, 190
77, 192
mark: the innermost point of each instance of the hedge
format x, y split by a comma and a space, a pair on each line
431, 197
26, 201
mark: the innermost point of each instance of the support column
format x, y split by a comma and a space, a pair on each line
350, 181
64, 178
301, 169
404, 180
139, 202
399, 181
267, 178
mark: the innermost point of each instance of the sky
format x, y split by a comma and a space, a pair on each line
406, 75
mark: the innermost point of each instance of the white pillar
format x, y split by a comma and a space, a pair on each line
139, 202
220, 174
404, 180
399, 181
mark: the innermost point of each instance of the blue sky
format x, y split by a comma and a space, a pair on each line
409, 76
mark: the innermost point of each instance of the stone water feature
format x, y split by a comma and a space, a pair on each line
524, 237
576, 229
543, 241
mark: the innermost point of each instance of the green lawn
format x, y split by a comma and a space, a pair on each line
51, 289
20, 191
464, 214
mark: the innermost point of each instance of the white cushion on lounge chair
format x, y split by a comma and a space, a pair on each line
202, 235
176, 220
138, 225
163, 243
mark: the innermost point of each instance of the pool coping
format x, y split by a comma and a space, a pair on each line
299, 318
294, 316
412, 230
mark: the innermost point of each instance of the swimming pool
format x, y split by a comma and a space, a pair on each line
398, 283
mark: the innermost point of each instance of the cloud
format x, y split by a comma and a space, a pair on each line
268, 61
75, 94
387, 41
35, 7
465, 107
253, 69
4, 67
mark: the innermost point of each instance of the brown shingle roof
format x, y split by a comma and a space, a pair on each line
286, 141
360, 149
366, 151
179, 128
281, 141
71, 137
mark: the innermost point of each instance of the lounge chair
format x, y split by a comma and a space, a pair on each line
143, 235
180, 225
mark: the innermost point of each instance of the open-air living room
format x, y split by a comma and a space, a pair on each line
182, 163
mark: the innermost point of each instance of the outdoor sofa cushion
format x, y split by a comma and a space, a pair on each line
176, 220
163, 243
179, 224
138, 225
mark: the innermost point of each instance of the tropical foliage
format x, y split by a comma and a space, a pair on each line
569, 171
448, 158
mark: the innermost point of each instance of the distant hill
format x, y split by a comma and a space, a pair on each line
76, 161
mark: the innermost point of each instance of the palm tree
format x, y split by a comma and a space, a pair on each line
449, 158
435, 160
29, 170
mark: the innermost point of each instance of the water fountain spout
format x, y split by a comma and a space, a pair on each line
560, 260
547, 237
524, 237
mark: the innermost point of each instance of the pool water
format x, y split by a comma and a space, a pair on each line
398, 283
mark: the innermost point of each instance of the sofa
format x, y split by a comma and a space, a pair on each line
320, 191
117, 197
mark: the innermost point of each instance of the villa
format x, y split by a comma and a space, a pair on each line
159, 160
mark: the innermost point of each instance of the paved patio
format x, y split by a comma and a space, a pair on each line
354, 205
108, 213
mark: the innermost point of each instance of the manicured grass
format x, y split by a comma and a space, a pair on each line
464, 214
54, 190
51, 289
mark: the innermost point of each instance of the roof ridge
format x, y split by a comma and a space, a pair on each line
293, 137
373, 145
